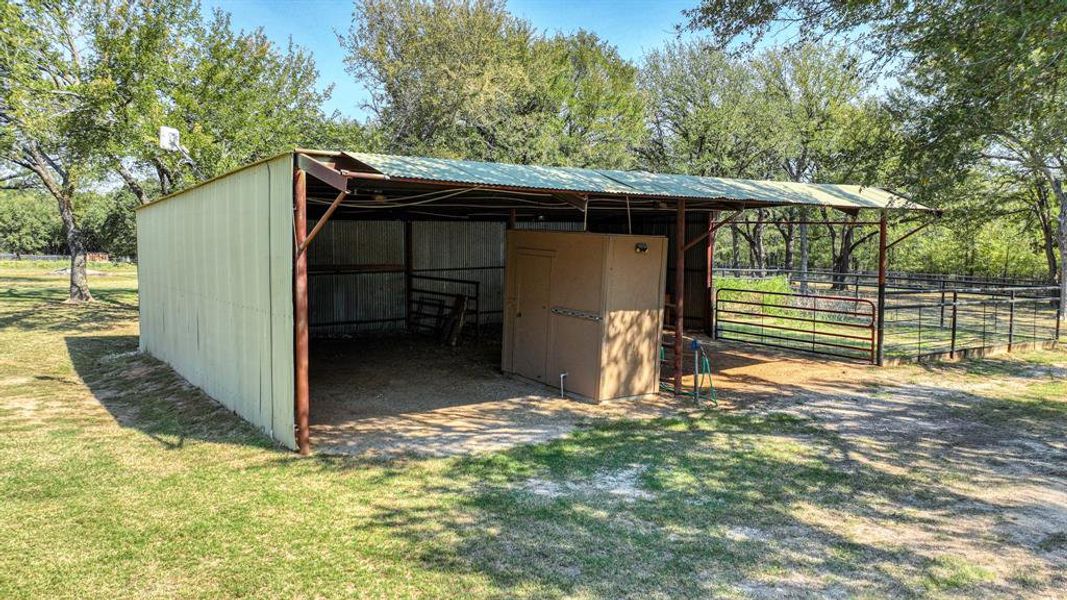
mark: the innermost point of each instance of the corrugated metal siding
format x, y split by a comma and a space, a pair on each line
352, 303
549, 225
216, 303
348, 303
472, 251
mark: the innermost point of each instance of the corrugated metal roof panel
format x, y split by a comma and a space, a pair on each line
487, 173
637, 183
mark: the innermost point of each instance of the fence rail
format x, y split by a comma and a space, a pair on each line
438, 290
959, 321
942, 319
835, 326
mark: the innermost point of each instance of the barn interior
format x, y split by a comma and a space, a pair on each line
405, 270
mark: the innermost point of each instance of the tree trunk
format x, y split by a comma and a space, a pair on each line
787, 230
759, 254
1048, 233
804, 250
1057, 190
735, 249
844, 256
79, 282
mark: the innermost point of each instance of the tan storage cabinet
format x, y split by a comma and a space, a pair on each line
587, 305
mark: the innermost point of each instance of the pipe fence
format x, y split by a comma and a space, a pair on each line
925, 317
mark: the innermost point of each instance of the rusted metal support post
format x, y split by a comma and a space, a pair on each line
408, 272
883, 266
1059, 319
300, 314
512, 218
709, 278
679, 294
941, 324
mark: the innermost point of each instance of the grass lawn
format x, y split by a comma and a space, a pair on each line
119, 480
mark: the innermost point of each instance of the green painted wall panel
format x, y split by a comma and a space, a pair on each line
215, 267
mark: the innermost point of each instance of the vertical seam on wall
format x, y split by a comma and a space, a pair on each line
270, 299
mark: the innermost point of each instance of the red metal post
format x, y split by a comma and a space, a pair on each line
300, 315
709, 278
679, 294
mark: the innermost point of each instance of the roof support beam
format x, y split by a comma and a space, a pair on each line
679, 294
579, 201
883, 268
321, 222
323, 173
713, 226
302, 408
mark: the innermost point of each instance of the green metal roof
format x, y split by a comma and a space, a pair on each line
634, 183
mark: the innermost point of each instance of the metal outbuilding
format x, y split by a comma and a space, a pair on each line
228, 297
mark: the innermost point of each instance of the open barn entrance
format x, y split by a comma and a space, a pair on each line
404, 290
406, 323
404, 318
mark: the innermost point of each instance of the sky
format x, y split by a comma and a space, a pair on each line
633, 26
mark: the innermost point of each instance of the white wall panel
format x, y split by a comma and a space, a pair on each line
215, 268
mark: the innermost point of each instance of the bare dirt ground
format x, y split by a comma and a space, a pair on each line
1001, 468
404, 396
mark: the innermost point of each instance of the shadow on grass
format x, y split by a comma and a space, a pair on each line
748, 503
757, 504
40, 309
146, 394
1009, 365
681, 508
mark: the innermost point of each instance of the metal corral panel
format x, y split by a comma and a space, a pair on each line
472, 251
216, 295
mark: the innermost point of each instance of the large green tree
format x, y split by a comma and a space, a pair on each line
787, 113
465, 78
234, 97
67, 69
706, 116
987, 81
28, 223
86, 84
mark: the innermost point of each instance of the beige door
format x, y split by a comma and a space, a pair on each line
533, 275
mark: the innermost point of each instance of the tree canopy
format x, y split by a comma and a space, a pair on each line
961, 105
468, 79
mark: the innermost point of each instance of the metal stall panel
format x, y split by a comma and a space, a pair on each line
215, 264
356, 278
470, 251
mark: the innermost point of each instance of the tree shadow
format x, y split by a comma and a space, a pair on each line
143, 393
43, 309
745, 502
710, 514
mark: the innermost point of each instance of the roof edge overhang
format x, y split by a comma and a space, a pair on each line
340, 168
